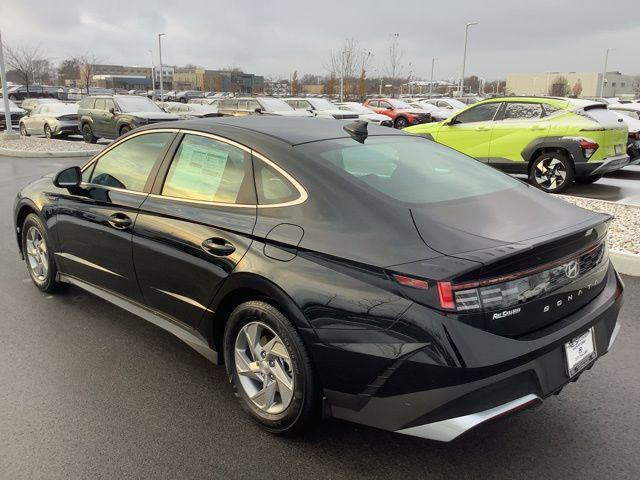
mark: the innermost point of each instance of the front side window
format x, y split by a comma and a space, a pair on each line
522, 111
479, 113
101, 104
409, 170
128, 164
206, 169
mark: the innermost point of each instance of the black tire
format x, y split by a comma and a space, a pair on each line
87, 134
304, 406
552, 172
124, 130
401, 123
48, 282
23, 130
183, 100
47, 131
588, 180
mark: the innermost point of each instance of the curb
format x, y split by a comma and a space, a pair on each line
635, 205
626, 263
6, 152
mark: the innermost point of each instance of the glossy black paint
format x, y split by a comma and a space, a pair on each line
378, 348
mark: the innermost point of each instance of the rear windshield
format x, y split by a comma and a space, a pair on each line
411, 170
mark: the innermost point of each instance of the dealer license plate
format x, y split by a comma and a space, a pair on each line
580, 352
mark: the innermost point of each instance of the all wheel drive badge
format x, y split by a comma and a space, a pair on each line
572, 269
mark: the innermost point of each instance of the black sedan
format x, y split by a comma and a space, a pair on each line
335, 269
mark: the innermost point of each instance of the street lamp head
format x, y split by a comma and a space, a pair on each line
469, 24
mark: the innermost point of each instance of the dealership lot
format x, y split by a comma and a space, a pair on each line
88, 390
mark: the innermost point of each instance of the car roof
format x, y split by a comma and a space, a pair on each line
292, 131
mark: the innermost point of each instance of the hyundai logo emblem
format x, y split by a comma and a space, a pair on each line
572, 269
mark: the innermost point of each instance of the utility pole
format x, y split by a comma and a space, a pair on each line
464, 56
604, 71
160, 35
5, 96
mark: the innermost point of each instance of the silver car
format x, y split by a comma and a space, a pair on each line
29, 104
51, 120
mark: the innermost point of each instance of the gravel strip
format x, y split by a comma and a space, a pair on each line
624, 231
34, 144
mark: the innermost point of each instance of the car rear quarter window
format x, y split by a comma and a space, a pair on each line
271, 186
410, 170
479, 113
128, 164
206, 169
522, 111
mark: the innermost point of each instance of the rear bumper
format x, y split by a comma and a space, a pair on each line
413, 396
608, 165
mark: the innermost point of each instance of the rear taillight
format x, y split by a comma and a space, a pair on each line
411, 282
588, 147
507, 290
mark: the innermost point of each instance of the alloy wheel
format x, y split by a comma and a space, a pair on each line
23, 130
47, 131
264, 368
37, 254
550, 173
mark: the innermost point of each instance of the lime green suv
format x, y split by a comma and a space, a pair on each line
552, 140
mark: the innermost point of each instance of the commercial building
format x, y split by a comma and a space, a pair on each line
217, 81
167, 76
581, 84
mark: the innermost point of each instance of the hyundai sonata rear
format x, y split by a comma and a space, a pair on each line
349, 270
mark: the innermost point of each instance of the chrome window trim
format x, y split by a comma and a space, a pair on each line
303, 195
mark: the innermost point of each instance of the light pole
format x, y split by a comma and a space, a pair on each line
464, 56
604, 71
153, 80
5, 96
342, 78
433, 61
160, 35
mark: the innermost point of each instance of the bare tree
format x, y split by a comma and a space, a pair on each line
295, 84
23, 61
559, 87
346, 61
394, 68
87, 68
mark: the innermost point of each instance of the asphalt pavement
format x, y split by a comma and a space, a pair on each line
90, 391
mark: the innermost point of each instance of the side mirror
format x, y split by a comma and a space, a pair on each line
112, 111
258, 110
390, 108
68, 178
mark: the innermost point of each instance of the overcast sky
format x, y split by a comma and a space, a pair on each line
275, 37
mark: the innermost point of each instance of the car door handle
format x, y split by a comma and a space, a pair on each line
218, 246
119, 221
482, 129
536, 127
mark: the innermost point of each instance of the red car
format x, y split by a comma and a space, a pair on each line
400, 112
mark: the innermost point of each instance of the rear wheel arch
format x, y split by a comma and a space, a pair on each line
244, 287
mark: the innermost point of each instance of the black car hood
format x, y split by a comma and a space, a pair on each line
496, 224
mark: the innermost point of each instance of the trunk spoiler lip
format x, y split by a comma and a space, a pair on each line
488, 256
